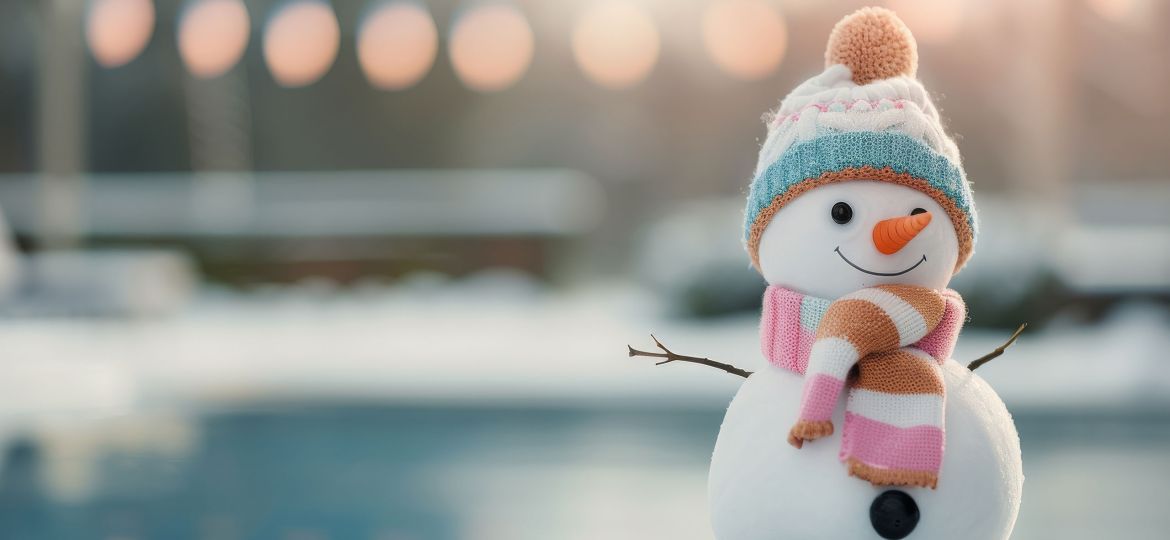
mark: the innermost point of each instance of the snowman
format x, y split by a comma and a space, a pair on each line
862, 425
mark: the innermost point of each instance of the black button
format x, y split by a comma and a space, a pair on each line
842, 213
917, 211
893, 514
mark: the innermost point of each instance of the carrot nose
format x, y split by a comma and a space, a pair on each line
891, 235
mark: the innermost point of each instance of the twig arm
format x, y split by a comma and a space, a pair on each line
975, 364
670, 356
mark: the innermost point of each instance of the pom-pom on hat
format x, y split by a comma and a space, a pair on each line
865, 117
874, 44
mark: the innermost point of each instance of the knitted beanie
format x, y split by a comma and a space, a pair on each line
866, 117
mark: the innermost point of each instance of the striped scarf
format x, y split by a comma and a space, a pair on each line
886, 344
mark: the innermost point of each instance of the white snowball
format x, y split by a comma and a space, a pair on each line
762, 488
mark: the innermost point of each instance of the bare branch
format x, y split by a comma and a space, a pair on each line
670, 356
978, 362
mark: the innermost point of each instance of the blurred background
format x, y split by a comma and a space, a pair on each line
311, 269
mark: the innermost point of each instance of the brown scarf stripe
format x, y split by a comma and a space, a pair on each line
898, 372
929, 304
840, 320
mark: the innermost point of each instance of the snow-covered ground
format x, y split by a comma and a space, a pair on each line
88, 389
496, 338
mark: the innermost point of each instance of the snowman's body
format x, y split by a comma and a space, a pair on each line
760, 487
859, 205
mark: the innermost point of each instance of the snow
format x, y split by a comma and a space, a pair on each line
1116, 364
498, 339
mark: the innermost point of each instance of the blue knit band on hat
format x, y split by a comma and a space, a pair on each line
810, 160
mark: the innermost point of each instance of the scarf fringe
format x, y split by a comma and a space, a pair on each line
891, 477
808, 430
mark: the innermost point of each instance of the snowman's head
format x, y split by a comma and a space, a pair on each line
851, 157
846, 236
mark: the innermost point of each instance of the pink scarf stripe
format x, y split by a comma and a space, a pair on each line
771, 318
784, 341
941, 342
884, 446
819, 398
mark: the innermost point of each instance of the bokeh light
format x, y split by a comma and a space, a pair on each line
615, 43
118, 30
396, 45
1114, 10
301, 42
491, 47
931, 21
213, 35
745, 38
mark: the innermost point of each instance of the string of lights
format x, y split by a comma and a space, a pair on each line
490, 45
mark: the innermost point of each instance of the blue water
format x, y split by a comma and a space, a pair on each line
341, 472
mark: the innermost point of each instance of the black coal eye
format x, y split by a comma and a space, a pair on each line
842, 213
917, 211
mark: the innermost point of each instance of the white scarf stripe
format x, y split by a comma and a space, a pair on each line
835, 357
898, 410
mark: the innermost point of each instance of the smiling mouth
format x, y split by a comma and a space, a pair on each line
883, 274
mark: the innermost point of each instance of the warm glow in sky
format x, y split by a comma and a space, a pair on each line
213, 35
931, 21
300, 42
118, 30
491, 47
746, 38
396, 45
1114, 10
615, 43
